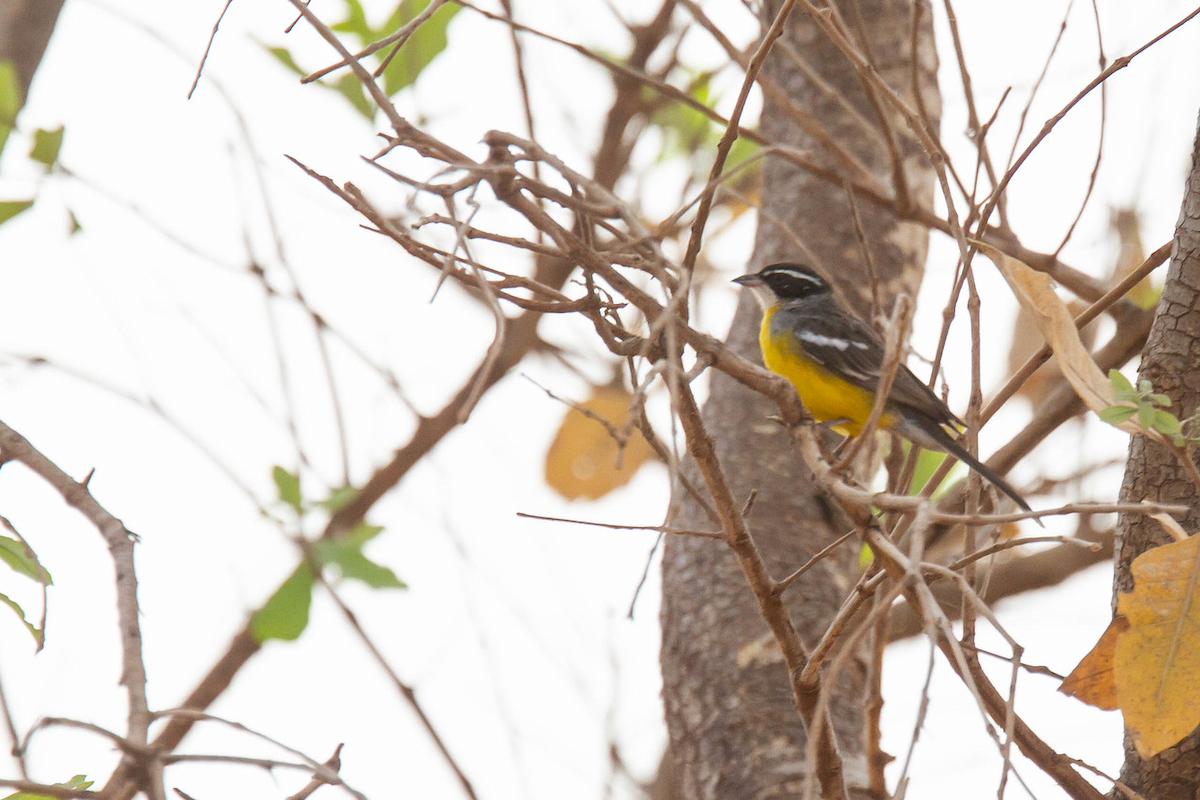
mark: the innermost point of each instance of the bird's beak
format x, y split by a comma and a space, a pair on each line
749, 281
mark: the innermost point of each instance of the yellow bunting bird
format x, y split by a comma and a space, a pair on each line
835, 361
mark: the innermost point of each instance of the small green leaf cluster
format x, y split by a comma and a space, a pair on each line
1145, 403
398, 69
78, 782
22, 560
46, 143
687, 131
285, 614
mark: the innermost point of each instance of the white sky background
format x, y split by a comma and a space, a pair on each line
513, 631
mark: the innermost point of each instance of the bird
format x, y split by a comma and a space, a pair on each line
835, 361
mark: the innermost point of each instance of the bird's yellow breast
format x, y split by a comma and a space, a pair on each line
824, 394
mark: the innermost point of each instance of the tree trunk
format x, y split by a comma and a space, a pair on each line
25, 28
1171, 362
734, 730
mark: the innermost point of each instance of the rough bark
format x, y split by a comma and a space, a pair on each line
733, 726
1171, 361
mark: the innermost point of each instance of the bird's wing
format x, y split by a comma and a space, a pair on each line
847, 346
833, 338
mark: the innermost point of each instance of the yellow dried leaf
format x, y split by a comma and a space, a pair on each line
583, 458
1157, 663
1092, 679
1036, 293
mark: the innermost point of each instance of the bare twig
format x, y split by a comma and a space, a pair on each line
333, 764
406, 692
120, 543
1049, 125
208, 48
820, 555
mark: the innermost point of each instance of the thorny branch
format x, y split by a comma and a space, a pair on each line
120, 543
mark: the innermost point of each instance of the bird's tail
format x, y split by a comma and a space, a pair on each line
951, 446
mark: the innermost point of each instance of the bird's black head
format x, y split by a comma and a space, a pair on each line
786, 281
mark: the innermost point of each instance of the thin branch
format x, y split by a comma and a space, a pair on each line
877, 760
1112, 296
398, 38
406, 692
333, 764
208, 48
17, 753
818, 557
1091, 186
731, 131
1058, 766
120, 543
1039, 570
1049, 125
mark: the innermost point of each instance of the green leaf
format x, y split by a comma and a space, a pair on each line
46, 145
421, 48
1115, 415
1119, 382
349, 558
338, 498
10, 208
400, 15
288, 485
34, 631
356, 23
685, 129
349, 87
1160, 400
285, 57
1168, 423
363, 532
77, 782
402, 69
927, 463
18, 556
741, 150
1145, 387
10, 100
1145, 414
865, 557
285, 615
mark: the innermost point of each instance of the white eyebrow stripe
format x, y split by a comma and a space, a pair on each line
804, 276
829, 341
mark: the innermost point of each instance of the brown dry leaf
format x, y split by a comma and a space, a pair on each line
582, 460
1127, 224
1036, 293
1027, 340
1092, 679
1157, 663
